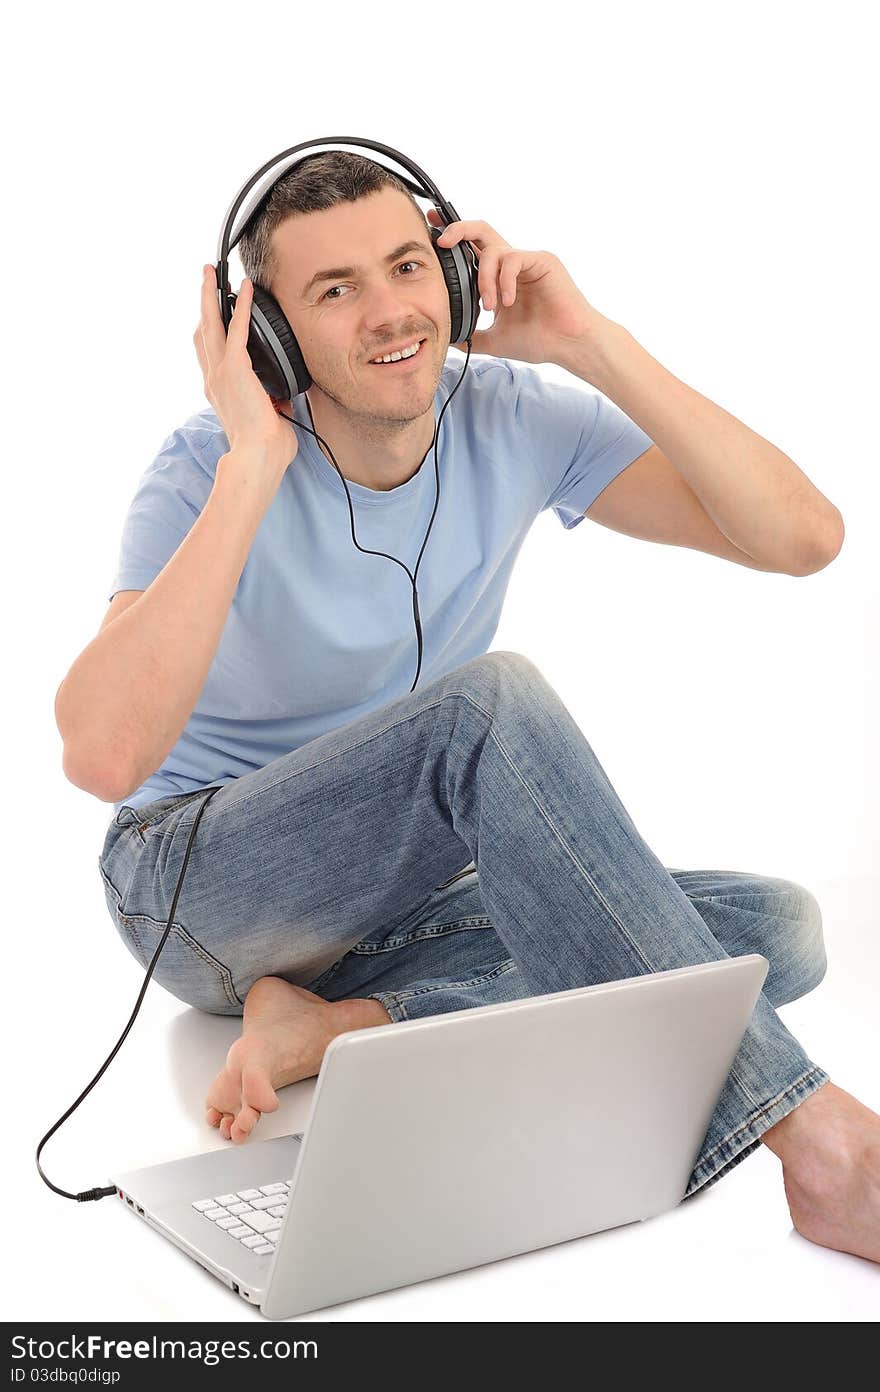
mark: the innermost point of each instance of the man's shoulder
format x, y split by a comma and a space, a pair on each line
204, 436
492, 380
198, 444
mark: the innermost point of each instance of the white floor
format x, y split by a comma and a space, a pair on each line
728, 1254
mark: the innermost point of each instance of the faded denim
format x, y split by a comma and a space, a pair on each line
460, 846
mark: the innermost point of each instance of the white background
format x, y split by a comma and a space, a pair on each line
705, 175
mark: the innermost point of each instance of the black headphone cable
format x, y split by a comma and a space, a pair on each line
88, 1195
98, 1193
366, 550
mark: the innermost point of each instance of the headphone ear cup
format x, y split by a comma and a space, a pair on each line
272, 348
463, 287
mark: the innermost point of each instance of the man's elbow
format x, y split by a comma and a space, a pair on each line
98, 782
825, 547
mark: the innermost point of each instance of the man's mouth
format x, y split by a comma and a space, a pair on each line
400, 364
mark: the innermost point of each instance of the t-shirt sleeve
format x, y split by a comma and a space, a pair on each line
169, 498
579, 440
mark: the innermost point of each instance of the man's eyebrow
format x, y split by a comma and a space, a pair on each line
340, 272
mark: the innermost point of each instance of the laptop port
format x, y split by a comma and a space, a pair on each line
129, 1202
139, 1209
235, 1288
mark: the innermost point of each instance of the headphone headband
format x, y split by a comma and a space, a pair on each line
291, 157
275, 355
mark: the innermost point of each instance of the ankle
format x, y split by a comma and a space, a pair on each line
359, 1013
797, 1132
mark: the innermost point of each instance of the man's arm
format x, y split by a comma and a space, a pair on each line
652, 501
708, 476
128, 695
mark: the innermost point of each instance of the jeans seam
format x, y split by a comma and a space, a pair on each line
178, 930
392, 1003
109, 883
473, 921
735, 898
158, 817
327, 975
756, 1116
816, 1071
395, 724
500, 970
574, 859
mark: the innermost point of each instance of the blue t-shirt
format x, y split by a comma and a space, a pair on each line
319, 634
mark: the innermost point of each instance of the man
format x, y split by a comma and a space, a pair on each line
250, 645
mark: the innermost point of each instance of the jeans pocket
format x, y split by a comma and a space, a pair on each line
184, 967
149, 816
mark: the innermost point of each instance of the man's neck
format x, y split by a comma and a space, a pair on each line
373, 458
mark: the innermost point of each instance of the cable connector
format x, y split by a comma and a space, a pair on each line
88, 1194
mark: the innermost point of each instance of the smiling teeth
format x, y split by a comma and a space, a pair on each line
395, 357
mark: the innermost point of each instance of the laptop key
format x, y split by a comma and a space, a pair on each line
255, 1240
265, 1201
225, 1199
273, 1189
228, 1223
261, 1222
238, 1208
266, 1247
277, 1212
215, 1213
240, 1232
202, 1204
248, 1194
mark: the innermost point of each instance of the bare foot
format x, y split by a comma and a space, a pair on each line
830, 1152
286, 1031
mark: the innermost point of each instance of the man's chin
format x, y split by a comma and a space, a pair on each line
410, 399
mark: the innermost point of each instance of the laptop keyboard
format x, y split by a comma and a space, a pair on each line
252, 1216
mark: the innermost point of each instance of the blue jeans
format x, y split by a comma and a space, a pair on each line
459, 846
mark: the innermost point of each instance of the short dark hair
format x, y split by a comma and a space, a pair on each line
318, 182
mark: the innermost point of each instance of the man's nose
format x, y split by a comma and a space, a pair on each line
384, 303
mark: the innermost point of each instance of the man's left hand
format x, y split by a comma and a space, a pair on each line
539, 312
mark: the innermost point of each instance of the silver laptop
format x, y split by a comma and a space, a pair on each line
443, 1143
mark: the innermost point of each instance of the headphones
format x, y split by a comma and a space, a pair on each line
279, 366
272, 347
277, 358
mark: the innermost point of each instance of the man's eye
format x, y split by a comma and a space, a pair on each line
327, 293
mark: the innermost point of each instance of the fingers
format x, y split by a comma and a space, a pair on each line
479, 234
200, 353
239, 324
511, 266
210, 326
498, 267
210, 337
488, 278
497, 276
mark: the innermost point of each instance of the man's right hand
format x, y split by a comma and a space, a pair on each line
245, 409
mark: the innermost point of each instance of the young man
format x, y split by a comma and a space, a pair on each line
377, 853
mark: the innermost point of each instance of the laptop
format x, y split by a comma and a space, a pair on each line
443, 1143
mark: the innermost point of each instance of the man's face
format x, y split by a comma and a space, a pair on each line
379, 305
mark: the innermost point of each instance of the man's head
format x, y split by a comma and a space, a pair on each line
346, 214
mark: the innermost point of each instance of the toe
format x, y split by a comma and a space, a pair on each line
226, 1126
244, 1124
212, 1116
224, 1094
257, 1092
